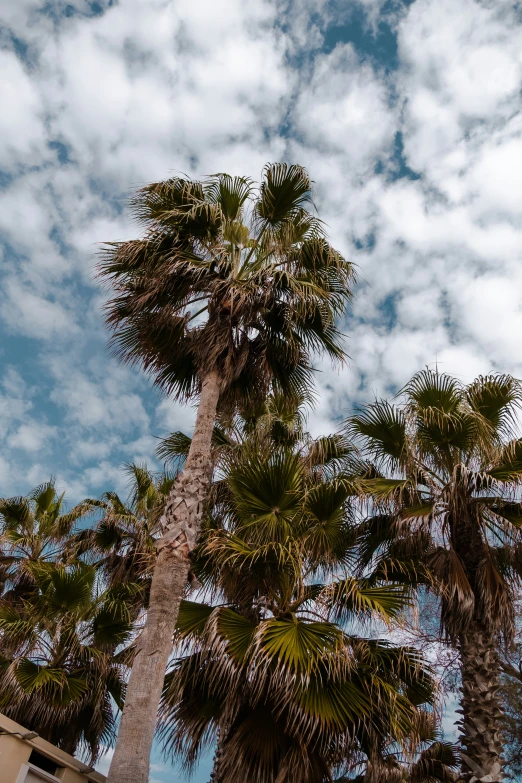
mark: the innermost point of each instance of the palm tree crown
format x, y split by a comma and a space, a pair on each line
33, 529
227, 276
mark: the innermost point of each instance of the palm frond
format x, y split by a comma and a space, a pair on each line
192, 618
284, 190
355, 598
230, 193
429, 390
381, 428
298, 645
496, 398
438, 762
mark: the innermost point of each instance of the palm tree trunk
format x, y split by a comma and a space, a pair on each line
216, 776
481, 738
181, 525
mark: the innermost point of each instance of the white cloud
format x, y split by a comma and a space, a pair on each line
99, 396
32, 436
173, 417
12, 409
89, 449
496, 178
460, 65
26, 312
344, 108
450, 718
21, 138
102, 473
142, 450
5, 476
158, 768
140, 90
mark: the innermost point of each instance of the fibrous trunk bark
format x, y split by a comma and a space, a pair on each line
481, 738
216, 776
181, 522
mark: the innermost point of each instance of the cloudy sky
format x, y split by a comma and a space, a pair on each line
407, 115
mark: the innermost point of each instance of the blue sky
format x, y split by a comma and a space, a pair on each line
407, 115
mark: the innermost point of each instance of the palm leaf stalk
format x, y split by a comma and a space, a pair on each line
231, 290
270, 665
444, 492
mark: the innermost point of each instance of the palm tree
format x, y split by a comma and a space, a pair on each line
444, 496
230, 290
33, 529
122, 542
265, 669
59, 672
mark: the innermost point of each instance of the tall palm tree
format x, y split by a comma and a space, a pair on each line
264, 668
445, 495
230, 290
33, 529
59, 671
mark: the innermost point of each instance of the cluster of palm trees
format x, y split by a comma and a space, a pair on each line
244, 599
72, 594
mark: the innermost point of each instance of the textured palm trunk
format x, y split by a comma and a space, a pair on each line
216, 776
181, 525
480, 738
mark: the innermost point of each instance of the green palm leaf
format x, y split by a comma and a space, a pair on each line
230, 193
110, 628
15, 627
299, 645
266, 494
434, 391
175, 447
358, 598
439, 762
381, 428
496, 398
192, 618
237, 630
69, 589
62, 686
284, 190
383, 488
334, 702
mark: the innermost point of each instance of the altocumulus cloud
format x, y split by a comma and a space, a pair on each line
407, 115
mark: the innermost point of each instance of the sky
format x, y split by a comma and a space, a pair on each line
407, 116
